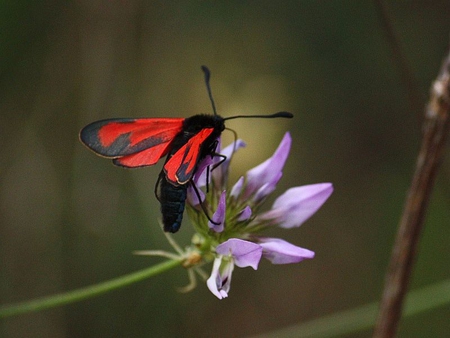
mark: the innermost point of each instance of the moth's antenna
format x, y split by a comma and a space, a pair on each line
284, 114
208, 87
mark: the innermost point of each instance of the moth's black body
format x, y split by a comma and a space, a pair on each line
172, 197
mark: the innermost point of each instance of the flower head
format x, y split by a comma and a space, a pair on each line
228, 220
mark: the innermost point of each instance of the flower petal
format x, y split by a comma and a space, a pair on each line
219, 215
279, 251
266, 171
222, 169
201, 172
229, 151
237, 188
267, 188
298, 204
214, 282
220, 172
226, 278
244, 253
192, 197
245, 214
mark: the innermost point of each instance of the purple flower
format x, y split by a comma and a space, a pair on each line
219, 173
236, 239
269, 172
194, 199
278, 251
232, 252
219, 283
237, 188
245, 214
219, 216
297, 204
244, 253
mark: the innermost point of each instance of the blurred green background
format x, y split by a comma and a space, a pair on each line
70, 219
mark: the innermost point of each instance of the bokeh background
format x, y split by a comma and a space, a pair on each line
70, 219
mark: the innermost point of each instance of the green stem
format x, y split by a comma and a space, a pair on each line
87, 292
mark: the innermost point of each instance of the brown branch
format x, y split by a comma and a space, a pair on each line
435, 130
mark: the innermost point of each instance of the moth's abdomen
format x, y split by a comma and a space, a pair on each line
172, 199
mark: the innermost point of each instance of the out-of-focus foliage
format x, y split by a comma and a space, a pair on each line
69, 219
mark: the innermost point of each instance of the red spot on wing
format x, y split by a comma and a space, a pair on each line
180, 168
139, 130
143, 158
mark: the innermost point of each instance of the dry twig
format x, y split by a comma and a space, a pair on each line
435, 130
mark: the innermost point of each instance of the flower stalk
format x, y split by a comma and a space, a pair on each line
87, 292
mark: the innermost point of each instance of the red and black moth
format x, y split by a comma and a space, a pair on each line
141, 142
